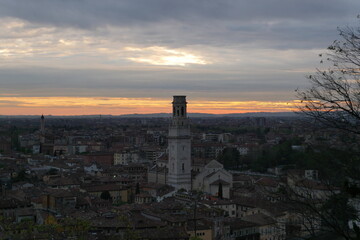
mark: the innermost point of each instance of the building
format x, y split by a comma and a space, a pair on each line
236, 229
104, 159
211, 176
268, 227
179, 146
118, 194
157, 174
126, 157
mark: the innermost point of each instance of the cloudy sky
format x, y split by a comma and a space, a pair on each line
71, 57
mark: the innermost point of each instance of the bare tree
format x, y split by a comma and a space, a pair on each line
333, 99
320, 209
334, 96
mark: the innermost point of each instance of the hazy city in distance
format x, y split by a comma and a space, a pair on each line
180, 120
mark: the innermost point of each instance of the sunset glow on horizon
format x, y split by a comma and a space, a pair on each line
118, 106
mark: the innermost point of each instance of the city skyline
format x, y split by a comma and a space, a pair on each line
87, 57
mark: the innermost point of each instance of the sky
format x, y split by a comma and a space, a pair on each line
76, 57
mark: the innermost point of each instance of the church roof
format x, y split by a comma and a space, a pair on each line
158, 169
214, 164
210, 174
219, 171
217, 182
260, 219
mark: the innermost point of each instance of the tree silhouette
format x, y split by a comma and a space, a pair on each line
137, 190
333, 100
105, 195
334, 96
230, 158
220, 191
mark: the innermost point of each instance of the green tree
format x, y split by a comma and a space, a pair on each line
75, 227
21, 176
52, 171
14, 134
230, 158
130, 232
105, 195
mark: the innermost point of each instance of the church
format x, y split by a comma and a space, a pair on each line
178, 170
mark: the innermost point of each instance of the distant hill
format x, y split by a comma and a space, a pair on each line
262, 114
167, 115
208, 115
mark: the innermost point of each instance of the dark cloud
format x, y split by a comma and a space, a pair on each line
90, 13
100, 83
296, 24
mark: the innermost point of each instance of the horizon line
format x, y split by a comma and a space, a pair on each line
156, 113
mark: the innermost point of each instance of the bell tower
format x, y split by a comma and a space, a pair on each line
179, 147
42, 129
42, 133
42, 124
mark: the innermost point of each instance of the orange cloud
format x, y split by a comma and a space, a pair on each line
116, 106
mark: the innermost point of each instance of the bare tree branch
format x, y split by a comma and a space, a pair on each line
334, 96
